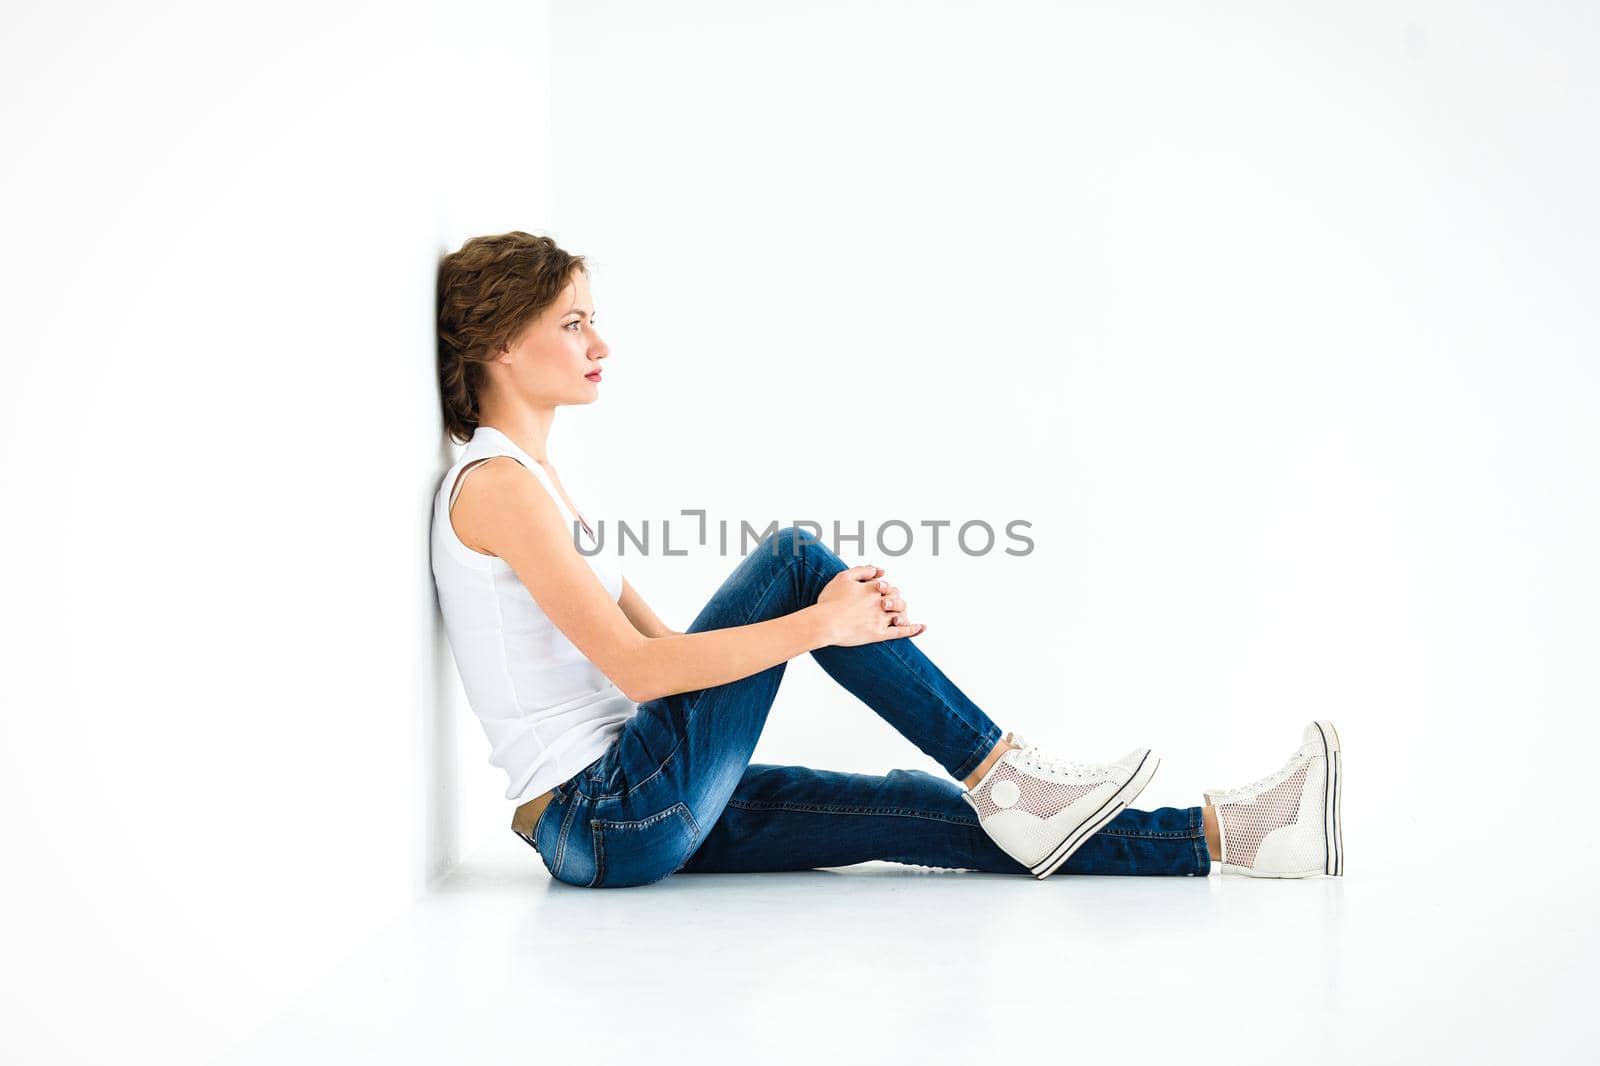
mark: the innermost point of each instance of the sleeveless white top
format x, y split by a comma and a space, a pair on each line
548, 711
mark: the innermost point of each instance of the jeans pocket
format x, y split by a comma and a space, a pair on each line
641, 851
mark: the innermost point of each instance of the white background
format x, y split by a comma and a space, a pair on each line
1277, 323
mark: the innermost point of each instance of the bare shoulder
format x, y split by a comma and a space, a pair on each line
487, 486
505, 510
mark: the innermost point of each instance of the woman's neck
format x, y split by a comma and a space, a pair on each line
528, 430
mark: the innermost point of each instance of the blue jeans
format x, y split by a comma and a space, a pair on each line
676, 792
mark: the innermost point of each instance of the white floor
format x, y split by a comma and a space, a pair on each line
1395, 962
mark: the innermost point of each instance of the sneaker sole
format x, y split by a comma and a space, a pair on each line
1229, 868
1114, 805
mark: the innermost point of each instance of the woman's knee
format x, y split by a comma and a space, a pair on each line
795, 542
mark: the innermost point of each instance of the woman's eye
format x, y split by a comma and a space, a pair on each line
574, 323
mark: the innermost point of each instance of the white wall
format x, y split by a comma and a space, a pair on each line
232, 742
1277, 322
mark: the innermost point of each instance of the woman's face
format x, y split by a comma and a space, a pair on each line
557, 358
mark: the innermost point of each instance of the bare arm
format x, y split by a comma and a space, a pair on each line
687, 661
505, 510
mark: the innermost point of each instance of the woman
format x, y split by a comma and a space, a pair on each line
627, 743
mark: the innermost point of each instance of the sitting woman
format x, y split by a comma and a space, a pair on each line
628, 743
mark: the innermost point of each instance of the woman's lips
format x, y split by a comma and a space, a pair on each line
594, 376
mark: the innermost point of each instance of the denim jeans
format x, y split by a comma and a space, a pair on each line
676, 792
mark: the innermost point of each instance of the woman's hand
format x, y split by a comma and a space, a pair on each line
862, 608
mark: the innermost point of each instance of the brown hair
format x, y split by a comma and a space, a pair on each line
490, 289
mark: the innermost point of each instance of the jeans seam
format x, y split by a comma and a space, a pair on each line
561, 840
598, 846
985, 743
814, 808
651, 819
1202, 850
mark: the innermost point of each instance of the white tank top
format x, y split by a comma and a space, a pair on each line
547, 710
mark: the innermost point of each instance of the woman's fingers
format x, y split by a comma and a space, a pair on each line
893, 604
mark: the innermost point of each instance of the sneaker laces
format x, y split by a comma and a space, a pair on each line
1261, 783
1033, 757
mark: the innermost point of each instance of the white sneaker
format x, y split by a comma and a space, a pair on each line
1040, 809
1287, 825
